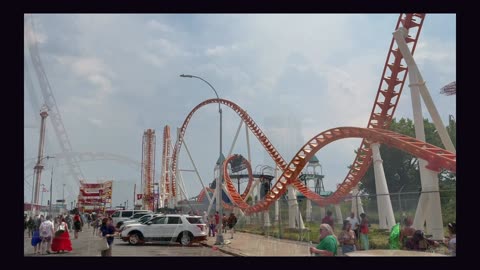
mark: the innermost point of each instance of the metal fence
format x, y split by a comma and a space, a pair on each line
403, 204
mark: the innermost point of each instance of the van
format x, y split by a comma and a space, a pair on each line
121, 215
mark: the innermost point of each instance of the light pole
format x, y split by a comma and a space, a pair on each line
63, 194
43, 191
51, 185
219, 239
34, 183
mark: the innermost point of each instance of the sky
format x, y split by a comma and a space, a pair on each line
115, 75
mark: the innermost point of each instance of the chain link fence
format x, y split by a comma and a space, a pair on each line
280, 226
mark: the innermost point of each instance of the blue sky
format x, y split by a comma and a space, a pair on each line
115, 75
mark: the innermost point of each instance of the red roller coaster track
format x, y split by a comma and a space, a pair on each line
386, 101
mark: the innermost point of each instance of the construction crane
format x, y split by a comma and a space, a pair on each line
148, 169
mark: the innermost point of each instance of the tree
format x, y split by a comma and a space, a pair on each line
401, 169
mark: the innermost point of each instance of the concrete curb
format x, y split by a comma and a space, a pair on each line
224, 251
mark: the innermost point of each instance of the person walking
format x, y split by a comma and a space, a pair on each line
347, 238
211, 226
36, 239
77, 224
46, 234
328, 242
217, 221
61, 241
30, 226
355, 226
232, 220
364, 231
224, 223
328, 219
108, 231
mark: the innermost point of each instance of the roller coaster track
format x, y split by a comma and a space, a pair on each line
436, 157
386, 100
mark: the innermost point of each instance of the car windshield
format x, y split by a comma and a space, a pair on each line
148, 219
138, 215
195, 220
144, 218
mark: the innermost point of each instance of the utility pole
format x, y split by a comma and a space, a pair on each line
63, 197
51, 185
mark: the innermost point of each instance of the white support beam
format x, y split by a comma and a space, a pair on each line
195, 168
385, 210
357, 206
429, 208
235, 139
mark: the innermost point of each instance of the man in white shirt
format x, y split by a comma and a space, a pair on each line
46, 234
354, 221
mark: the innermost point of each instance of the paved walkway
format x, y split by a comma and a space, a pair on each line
246, 244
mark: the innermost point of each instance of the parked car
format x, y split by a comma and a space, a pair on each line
144, 218
184, 229
122, 215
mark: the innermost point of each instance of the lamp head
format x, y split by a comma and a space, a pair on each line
186, 76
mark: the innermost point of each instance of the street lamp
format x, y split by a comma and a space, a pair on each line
51, 185
219, 239
43, 191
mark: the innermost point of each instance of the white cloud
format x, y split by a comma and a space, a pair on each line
220, 50
96, 122
156, 25
93, 70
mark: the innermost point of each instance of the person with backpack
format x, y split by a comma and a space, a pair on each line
46, 234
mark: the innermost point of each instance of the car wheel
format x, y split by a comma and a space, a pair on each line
134, 239
185, 239
119, 224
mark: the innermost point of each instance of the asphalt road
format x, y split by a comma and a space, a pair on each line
84, 246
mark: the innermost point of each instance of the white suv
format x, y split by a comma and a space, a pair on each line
184, 229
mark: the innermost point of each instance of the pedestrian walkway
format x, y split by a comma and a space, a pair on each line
247, 244
83, 246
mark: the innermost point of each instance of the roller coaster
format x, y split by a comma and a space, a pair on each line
386, 100
385, 103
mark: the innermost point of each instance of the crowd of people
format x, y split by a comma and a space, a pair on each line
213, 222
354, 235
413, 239
53, 236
